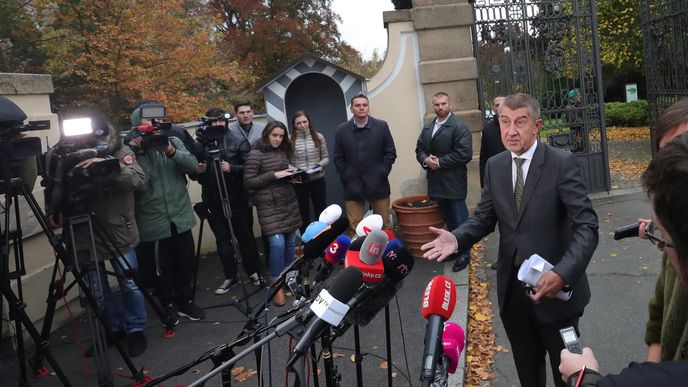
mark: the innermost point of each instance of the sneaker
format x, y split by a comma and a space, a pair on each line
228, 284
171, 320
191, 311
257, 280
137, 343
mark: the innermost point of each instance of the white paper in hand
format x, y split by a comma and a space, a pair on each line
533, 268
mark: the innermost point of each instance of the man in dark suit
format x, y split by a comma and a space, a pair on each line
490, 139
541, 209
363, 155
443, 149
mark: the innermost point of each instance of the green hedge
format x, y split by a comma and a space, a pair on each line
626, 113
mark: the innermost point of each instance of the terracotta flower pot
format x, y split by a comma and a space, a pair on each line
415, 220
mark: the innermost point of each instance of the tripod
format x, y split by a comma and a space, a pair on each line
17, 307
218, 179
90, 290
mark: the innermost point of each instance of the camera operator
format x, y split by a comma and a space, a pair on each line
232, 153
112, 205
666, 183
165, 217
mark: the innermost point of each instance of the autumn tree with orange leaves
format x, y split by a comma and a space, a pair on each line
112, 53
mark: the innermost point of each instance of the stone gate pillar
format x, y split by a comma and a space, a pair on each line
447, 64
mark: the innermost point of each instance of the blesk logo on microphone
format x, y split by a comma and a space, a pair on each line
446, 300
426, 295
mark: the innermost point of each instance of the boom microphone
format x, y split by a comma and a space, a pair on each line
330, 308
439, 300
374, 297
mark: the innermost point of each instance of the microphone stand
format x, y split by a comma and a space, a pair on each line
280, 331
307, 293
388, 337
358, 358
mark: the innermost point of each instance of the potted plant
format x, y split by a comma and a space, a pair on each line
415, 214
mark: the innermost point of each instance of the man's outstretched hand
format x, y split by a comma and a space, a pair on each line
441, 247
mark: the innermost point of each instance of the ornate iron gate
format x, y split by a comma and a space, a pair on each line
548, 49
665, 49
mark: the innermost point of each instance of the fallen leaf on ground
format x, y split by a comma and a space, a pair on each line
236, 371
383, 365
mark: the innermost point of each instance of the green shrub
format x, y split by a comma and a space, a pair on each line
402, 4
626, 113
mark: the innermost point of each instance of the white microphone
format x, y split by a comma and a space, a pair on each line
368, 224
330, 214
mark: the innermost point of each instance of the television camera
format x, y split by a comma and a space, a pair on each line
150, 136
68, 188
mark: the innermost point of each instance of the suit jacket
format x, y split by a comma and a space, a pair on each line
490, 145
453, 145
363, 158
556, 220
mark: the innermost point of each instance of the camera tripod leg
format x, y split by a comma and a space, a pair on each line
17, 308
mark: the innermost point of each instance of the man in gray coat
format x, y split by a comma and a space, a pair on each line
443, 149
537, 195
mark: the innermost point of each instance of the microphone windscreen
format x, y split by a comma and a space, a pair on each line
330, 214
453, 331
368, 224
393, 244
356, 243
451, 351
390, 234
398, 263
366, 309
439, 298
316, 246
346, 283
373, 247
337, 249
312, 230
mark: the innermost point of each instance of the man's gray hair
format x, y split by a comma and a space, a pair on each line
520, 100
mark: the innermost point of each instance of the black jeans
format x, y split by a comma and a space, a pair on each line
242, 224
173, 264
311, 191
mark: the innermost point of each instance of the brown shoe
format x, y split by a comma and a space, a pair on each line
280, 298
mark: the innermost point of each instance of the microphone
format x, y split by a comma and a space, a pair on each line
356, 243
312, 230
390, 234
372, 298
368, 224
330, 214
316, 246
628, 231
330, 308
393, 244
453, 341
333, 255
367, 260
439, 300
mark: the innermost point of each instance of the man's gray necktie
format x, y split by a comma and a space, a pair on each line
518, 188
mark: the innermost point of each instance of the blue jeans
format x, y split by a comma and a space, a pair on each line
282, 250
454, 212
133, 318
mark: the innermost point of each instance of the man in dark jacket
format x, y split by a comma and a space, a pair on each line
363, 155
490, 140
443, 149
232, 153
